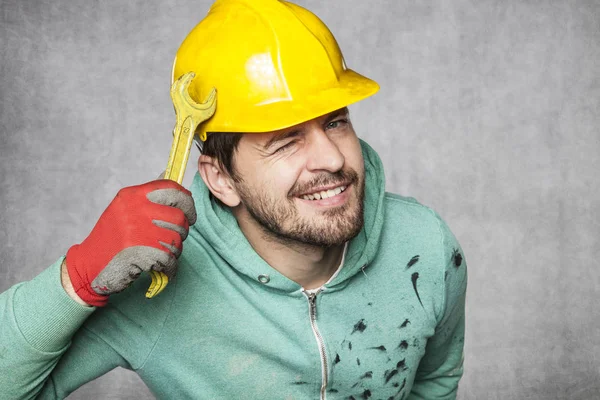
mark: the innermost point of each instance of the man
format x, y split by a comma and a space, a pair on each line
300, 278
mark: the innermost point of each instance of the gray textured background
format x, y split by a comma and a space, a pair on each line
489, 112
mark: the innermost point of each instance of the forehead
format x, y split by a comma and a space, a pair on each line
263, 139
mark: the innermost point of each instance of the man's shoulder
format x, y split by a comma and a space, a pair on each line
406, 219
402, 207
396, 198
410, 224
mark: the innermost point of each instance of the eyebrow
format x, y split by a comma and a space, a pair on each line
285, 135
337, 113
279, 137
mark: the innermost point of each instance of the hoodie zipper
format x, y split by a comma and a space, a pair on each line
312, 309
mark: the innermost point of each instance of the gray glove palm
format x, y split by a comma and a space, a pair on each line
141, 230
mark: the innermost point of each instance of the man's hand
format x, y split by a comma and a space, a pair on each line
143, 228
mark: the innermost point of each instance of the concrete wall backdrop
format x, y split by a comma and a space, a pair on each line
489, 112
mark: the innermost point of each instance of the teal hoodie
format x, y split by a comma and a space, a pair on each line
389, 325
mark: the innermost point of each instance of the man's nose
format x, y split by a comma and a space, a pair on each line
324, 153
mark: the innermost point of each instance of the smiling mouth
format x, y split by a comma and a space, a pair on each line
324, 194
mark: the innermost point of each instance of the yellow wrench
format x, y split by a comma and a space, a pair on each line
189, 115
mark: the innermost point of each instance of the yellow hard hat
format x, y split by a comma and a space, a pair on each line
274, 65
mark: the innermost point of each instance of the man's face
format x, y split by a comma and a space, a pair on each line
305, 183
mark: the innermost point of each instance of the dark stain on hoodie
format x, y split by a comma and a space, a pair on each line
367, 375
360, 326
402, 387
457, 258
399, 390
389, 374
414, 278
412, 261
402, 365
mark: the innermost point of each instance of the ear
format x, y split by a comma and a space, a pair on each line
218, 181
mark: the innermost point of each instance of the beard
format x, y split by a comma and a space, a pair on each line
281, 220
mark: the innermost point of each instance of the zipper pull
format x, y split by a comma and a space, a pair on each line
312, 299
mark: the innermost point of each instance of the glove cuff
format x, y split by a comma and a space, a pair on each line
80, 281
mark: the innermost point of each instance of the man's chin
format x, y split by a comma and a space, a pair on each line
331, 230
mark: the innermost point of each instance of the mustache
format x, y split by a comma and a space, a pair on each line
338, 178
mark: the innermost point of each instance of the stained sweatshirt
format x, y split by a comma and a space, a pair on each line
389, 325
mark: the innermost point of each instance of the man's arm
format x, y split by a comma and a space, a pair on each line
442, 365
37, 321
141, 230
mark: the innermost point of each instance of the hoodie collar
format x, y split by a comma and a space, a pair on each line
217, 226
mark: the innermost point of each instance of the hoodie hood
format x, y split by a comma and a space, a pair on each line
217, 227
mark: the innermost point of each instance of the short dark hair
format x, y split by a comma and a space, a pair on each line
222, 147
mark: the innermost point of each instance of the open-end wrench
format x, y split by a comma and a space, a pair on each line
189, 115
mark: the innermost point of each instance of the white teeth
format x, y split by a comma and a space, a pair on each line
325, 194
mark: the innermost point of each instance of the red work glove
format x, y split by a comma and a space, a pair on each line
143, 228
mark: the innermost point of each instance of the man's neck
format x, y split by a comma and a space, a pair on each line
309, 266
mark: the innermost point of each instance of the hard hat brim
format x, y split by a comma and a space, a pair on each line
352, 88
